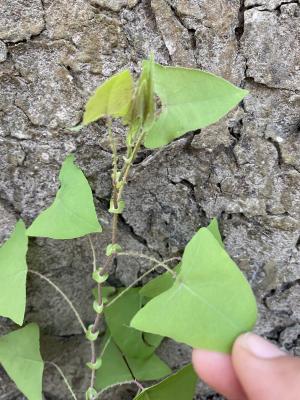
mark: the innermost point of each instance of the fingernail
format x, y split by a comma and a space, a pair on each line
259, 347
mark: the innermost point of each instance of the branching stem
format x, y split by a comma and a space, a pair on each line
158, 264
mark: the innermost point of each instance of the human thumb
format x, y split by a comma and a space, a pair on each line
264, 371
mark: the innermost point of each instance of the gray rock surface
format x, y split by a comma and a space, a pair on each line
245, 169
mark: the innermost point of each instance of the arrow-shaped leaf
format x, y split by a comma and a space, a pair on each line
21, 359
72, 214
112, 98
13, 272
210, 303
191, 99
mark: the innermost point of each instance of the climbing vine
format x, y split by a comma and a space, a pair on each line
202, 299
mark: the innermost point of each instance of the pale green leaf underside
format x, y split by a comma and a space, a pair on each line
163, 282
13, 272
210, 303
113, 98
179, 386
191, 99
114, 368
72, 214
21, 359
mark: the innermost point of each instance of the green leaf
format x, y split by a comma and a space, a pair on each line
159, 284
210, 303
112, 98
13, 272
118, 368
180, 385
72, 214
191, 99
21, 359
152, 340
148, 369
118, 317
113, 369
213, 227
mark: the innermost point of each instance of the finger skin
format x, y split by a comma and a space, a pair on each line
217, 371
275, 378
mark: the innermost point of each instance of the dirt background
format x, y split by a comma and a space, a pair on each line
245, 169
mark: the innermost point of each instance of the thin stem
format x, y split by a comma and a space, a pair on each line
93, 253
63, 376
109, 260
139, 385
64, 296
158, 264
119, 180
114, 163
93, 347
93, 360
105, 346
124, 175
152, 259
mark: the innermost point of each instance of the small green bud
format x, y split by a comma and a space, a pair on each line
91, 394
90, 335
98, 308
96, 365
97, 277
112, 249
119, 209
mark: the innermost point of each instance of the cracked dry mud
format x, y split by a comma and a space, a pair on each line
245, 169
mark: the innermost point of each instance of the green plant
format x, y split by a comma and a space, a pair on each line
204, 301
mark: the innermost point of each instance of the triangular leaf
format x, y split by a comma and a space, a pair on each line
210, 303
72, 214
117, 368
21, 359
213, 227
118, 317
13, 271
180, 385
112, 98
163, 282
191, 99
